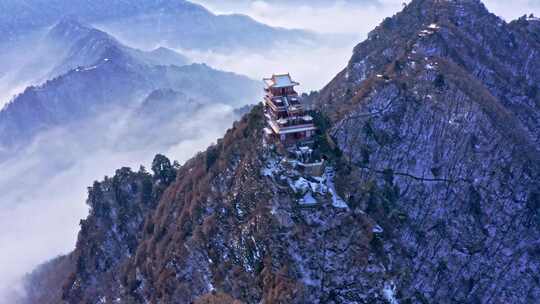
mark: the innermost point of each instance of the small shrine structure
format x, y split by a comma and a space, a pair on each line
286, 118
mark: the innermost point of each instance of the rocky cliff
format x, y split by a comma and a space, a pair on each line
439, 109
430, 195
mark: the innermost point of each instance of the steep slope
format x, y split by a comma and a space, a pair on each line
431, 194
503, 59
66, 46
109, 235
440, 102
224, 225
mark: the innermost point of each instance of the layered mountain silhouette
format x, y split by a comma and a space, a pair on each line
84, 46
431, 134
175, 23
95, 73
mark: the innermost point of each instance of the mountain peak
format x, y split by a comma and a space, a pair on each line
456, 12
464, 10
439, 6
68, 29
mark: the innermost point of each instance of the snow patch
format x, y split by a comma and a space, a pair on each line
308, 200
270, 169
377, 229
301, 185
389, 293
337, 201
86, 69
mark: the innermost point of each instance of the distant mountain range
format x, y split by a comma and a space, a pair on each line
83, 46
176, 23
95, 72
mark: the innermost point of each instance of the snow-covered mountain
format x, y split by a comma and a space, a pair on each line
432, 142
77, 45
65, 46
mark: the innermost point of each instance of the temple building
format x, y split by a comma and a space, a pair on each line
286, 119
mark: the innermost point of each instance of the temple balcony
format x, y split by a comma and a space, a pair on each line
286, 126
291, 105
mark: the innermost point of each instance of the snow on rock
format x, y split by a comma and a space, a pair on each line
301, 186
430, 66
310, 189
308, 200
389, 293
337, 201
377, 229
272, 167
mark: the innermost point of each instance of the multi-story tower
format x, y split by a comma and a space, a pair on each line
285, 115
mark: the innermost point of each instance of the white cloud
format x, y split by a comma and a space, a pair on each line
510, 10
313, 67
357, 17
43, 189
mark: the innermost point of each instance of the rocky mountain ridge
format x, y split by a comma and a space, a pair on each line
431, 134
118, 206
451, 122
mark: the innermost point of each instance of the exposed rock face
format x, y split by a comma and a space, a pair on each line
431, 194
449, 131
236, 227
503, 58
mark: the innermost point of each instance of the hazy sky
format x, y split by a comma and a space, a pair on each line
315, 67
356, 16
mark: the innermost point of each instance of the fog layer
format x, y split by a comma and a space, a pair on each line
43, 189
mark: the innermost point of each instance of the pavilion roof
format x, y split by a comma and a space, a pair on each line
280, 81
